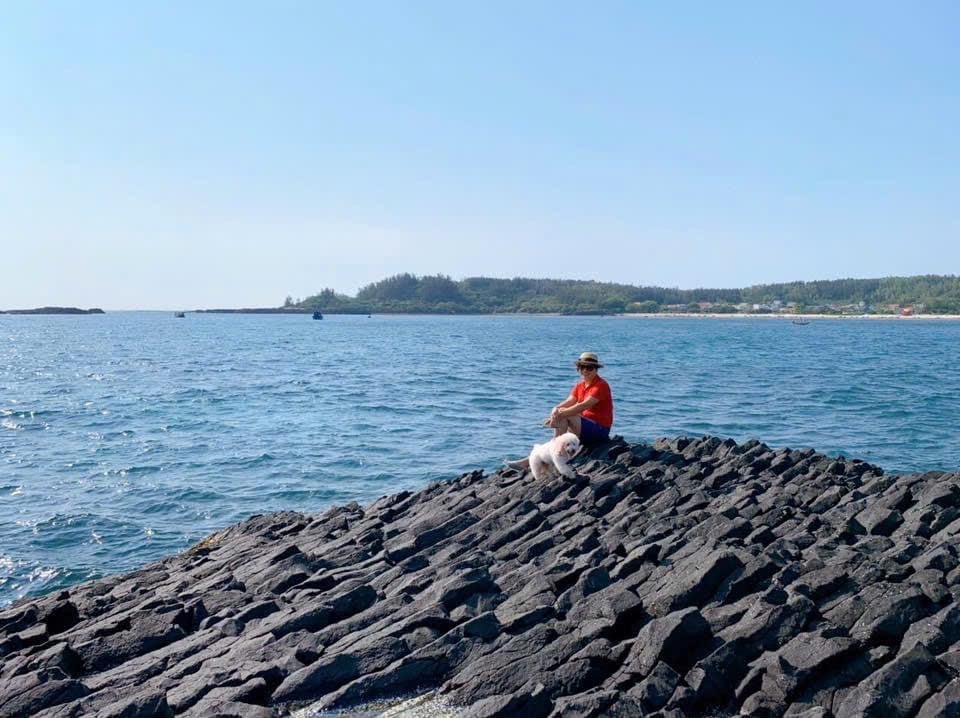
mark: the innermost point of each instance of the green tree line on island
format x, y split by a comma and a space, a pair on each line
438, 294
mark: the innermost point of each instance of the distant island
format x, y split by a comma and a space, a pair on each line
53, 310
439, 294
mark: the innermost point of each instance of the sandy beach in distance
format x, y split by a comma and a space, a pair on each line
781, 317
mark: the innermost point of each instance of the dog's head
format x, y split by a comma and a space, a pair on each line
567, 444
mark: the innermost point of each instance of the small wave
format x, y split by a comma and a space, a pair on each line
491, 402
32, 413
363, 427
80, 465
198, 495
135, 470
389, 409
264, 458
889, 413
33, 426
428, 705
21, 580
42, 574
157, 508
242, 462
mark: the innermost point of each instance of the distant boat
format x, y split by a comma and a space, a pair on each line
801, 322
179, 315
317, 315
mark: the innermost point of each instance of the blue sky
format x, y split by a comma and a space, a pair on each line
223, 154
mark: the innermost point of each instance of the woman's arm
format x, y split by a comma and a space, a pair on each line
569, 401
555, 411
577, 408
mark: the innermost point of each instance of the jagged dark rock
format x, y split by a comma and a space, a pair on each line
692, 577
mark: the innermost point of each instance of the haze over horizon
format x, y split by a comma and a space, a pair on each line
178, 156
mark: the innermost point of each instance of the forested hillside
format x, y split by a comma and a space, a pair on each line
408, 293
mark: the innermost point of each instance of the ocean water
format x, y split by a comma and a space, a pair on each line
129, 436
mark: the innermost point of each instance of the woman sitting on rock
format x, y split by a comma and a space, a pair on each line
588, 411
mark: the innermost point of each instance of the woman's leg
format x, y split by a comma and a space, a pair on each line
563, 424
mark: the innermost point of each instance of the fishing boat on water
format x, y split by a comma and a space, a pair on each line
317, 315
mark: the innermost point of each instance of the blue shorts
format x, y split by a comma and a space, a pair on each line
591, 433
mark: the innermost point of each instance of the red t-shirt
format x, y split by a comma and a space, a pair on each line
602, 411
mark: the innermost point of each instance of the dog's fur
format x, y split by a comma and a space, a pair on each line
554, 456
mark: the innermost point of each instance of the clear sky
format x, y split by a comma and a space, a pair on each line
176, 155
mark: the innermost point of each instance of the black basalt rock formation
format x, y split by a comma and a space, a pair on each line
693, 577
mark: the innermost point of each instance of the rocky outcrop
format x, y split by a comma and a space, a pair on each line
691, 577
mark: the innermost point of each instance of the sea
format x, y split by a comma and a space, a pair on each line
129, 436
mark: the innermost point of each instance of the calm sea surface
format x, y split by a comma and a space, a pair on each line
129, 436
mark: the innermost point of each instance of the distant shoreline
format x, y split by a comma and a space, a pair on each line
53, 310
252, 310
787, 317
628, 315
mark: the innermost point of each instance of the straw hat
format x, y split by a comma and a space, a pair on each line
589, 359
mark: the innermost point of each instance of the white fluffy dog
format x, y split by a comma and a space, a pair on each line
554, 456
